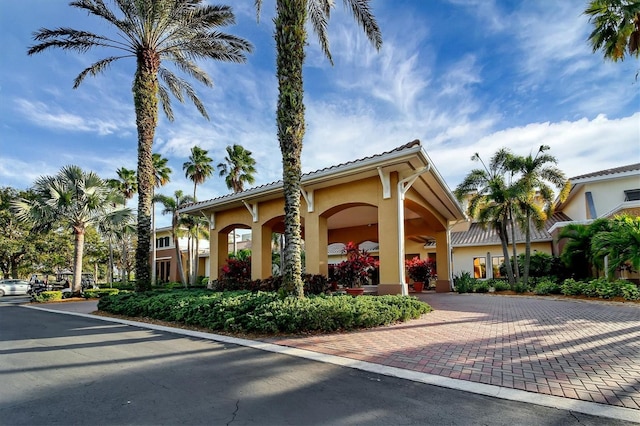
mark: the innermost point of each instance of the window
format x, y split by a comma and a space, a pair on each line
163, 270
479, 267
496, 261
632, 195
162, 242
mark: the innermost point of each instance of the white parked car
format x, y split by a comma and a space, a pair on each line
14, 287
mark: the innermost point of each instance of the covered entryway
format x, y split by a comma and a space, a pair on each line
397, 199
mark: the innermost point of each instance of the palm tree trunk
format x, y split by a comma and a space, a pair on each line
110, 273
291, 37
179, 259
76, 285
502, 233
527, 251
153, 244
145, 90
516, 269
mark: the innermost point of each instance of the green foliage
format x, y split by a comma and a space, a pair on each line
481, 286
546, 286
627, 290
235, 274
499, 285
601, 288
265, 312
521, 287
571, 287
94, 293
47, 296
464, 282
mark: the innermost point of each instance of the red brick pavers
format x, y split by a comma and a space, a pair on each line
574, 349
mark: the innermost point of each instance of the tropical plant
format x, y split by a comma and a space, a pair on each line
620, 244
535, 183
161, 174
238, 168
171, 206
356, 270
420, 270
198, 169
577, 252
616, 27
154, 32
77, 199
491, 199
290, 21
126, 184
463, 282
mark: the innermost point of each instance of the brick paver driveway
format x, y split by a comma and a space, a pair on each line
575, 349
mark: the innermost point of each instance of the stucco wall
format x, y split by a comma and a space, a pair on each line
463, 256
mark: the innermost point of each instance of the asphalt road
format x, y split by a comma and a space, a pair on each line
61, 369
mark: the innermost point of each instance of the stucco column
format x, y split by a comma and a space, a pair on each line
260, 251
219, 258
389, 240
316, 244
443, 285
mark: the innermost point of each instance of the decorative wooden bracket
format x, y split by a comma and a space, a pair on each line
385, 179
308, 197
253, 209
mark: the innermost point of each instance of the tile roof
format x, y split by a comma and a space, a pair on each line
278, 184
477, 236
606, 172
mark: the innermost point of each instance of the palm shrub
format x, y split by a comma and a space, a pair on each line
463, 282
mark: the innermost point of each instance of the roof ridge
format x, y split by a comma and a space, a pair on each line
610, 171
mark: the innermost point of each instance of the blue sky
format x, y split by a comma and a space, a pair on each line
463, 76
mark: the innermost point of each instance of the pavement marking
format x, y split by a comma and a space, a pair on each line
584, 407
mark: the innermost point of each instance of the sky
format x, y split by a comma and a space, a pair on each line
462, 76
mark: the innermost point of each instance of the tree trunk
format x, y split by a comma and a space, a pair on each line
145, 91
527, 251
291, 37
179, 258
110, 272
189, 258
153, 244
78, 249
516, 269
502, 233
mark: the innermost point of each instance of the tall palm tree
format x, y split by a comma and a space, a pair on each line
291, 37
127, 186
537, 176
616, 27
171, 206
161, 174
154, 32
197, 169
238, 168
75, 198
490, 200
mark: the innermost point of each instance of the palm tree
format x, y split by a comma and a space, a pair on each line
616, 27
238, 168
154, 32
536, 175
161, 174
197, 169
620, 244
291, 37
127, 186
73, 197
171, 206
577, 252
491, 200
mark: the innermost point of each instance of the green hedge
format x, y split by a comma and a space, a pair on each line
601, 288
47, 296
265, 312
94, 293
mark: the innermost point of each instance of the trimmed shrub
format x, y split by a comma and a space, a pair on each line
94, 293
571, 287
480, 287
627, 290
545, 287
521, 287
47, 296
263, 312
499, 285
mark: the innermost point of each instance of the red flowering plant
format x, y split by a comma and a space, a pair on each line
356, 270
235, 274
420, 270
